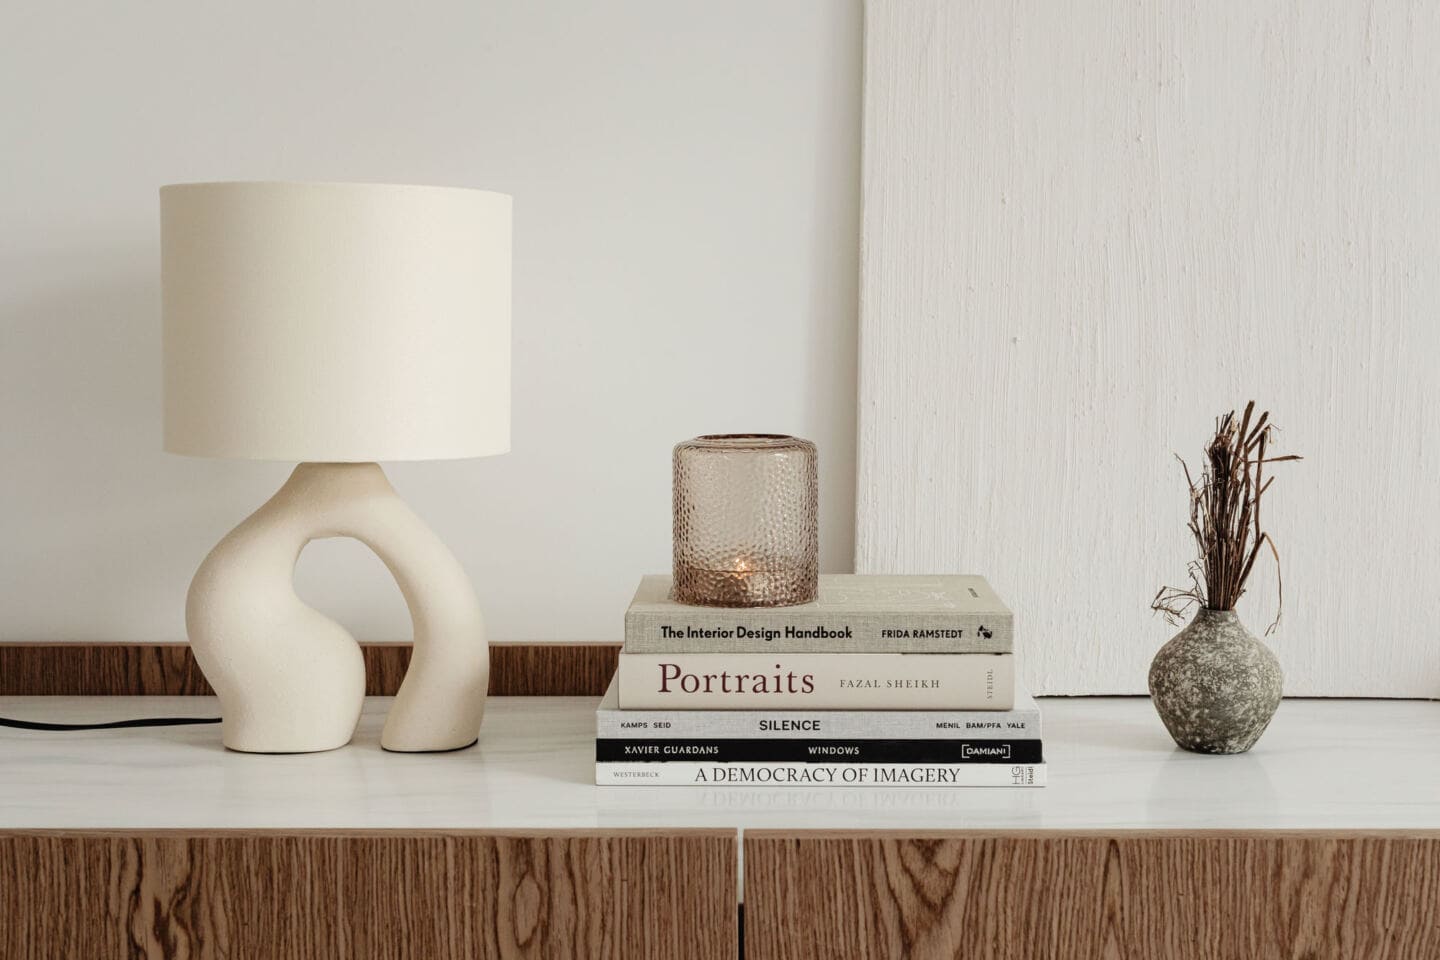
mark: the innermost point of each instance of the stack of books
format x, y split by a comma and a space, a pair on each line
883, 681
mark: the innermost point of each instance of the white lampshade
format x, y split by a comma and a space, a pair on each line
335, 321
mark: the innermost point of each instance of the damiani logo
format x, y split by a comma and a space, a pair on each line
990, 751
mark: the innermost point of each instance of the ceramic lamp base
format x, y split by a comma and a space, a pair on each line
290, 679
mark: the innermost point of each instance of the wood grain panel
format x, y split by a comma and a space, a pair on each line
1195, 896
169, 669
552, 669
450, 896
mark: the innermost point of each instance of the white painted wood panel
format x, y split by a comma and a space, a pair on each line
1089, 227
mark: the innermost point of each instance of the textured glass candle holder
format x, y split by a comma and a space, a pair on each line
746, 507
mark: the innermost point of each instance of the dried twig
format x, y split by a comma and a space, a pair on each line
1225, 518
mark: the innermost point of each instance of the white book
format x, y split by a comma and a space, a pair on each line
852, 613
885, 775
817, 681
1022, 722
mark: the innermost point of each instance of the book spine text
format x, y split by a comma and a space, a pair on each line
816, 681
819, 751
819, 724
822, 774
729, 631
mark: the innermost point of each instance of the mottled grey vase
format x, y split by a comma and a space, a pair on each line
1215, 685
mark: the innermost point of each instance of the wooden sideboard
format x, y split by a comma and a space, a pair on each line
274, 893
1322, 843
1070, 894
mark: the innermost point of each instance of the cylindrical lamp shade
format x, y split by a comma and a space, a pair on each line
746, 532
335, 322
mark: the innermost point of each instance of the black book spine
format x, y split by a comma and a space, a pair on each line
796, 750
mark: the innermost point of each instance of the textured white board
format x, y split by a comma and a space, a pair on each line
1088, 227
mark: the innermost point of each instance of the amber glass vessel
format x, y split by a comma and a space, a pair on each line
746, 508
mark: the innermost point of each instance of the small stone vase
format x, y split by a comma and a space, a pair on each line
1215, 685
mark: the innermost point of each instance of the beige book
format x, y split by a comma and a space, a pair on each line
853, 613
816, 681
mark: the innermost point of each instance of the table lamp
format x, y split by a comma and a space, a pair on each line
336, 325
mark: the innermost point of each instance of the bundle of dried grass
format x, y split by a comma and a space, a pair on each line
1225, 518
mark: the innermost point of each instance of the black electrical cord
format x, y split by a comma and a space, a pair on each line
112, 725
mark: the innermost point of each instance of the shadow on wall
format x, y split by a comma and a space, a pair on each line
100, 525
831, 366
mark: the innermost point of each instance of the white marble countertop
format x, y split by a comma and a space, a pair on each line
1324, 764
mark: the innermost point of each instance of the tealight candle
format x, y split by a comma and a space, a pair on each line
745, 521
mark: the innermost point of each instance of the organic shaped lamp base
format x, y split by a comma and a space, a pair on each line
290, 679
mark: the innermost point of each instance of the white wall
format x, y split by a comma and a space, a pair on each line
686, 206
1088, 228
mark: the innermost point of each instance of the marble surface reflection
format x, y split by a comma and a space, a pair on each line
1329, 764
